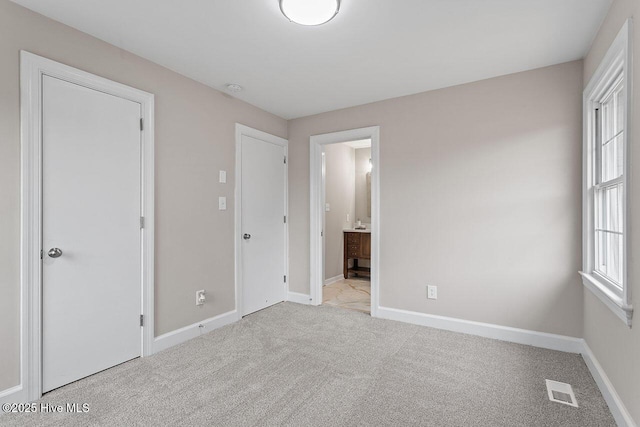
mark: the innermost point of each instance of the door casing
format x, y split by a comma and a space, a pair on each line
316, 208
32, 69
254, 133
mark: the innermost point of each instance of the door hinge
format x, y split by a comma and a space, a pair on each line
41, 253
322, 234
141, 222
141, 124
285, 160
142, 320
285, 279
285, 219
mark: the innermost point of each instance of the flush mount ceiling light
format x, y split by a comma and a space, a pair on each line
310, 12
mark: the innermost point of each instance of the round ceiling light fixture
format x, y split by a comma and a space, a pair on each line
310, 12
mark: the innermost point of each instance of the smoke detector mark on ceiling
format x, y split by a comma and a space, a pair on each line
235, 88
561, 393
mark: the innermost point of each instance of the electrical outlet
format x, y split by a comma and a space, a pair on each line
200, 297
432, 292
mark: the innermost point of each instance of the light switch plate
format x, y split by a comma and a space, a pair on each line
222, 203
200, 297
223, 177
327, 207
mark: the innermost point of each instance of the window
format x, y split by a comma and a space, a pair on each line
606, 141
609, 185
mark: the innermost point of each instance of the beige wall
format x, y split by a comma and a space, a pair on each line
340, 194
480, 195
194, 140
362, 167
617, 347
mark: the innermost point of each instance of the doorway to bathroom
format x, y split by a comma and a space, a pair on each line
345, 219
347, 225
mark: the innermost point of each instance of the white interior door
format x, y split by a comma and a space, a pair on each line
91, 292
262, 223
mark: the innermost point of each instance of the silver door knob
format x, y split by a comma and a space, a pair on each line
54, 253
246, 236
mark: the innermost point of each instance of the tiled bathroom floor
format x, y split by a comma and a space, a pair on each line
352, 294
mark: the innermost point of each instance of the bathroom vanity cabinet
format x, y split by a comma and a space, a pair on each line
357, 245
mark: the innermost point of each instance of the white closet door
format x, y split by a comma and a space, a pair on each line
91, 284
263, 227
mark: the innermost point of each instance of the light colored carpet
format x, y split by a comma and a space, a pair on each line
298, 365
352, 294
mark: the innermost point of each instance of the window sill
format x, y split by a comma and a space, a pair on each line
615, 303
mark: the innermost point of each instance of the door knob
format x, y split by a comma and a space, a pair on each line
54, 253
246, 236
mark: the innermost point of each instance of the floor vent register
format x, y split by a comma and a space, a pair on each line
561, 393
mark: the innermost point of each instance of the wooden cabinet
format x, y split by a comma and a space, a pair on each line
357, 246
365, 245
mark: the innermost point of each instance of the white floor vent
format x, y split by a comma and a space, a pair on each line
561, 393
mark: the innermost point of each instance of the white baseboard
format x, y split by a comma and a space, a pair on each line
181, 335
14, 394
334, 279
298, 298
487, 330
617, 408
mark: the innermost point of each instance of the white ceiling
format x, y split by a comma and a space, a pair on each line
362, 143
372, 50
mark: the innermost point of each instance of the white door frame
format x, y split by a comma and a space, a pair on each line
316, 261
32, 70
254, 133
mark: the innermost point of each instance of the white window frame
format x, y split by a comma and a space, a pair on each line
618, 60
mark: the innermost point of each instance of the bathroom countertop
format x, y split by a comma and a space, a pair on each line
353, 230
